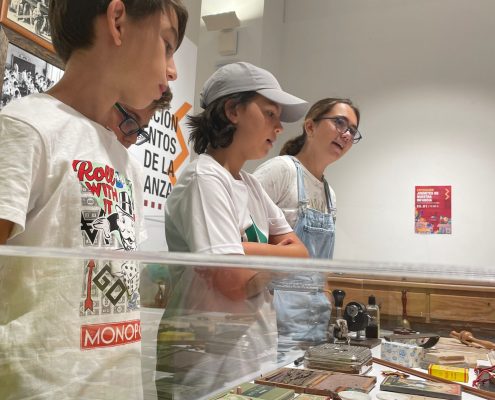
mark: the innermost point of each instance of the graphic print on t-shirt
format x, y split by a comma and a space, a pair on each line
109, 287
107, 216
107, 220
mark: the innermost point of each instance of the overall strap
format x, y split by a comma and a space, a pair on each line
302, 200
331, 209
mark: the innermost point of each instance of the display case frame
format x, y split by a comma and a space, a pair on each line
152, 308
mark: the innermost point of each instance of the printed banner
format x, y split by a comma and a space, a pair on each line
163, 156
167, 153
433, 209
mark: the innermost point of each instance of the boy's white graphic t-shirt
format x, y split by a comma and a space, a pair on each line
68, 328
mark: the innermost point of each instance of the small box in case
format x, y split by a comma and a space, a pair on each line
256, 391
451, 391
339, 358
323, 383
450, 373
404, 354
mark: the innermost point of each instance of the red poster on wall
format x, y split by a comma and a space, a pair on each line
433, 210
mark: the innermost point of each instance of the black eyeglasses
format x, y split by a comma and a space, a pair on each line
342, 125
129, 126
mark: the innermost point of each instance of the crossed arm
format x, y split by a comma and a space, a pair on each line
286, 245
5, 229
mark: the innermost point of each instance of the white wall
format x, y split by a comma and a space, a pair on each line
194, 10
423, 74
250, 12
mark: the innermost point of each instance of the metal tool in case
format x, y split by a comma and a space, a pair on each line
340, 358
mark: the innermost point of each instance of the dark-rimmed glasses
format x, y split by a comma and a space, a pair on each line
129, 126
342, 125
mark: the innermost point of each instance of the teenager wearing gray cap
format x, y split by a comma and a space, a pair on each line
218, 208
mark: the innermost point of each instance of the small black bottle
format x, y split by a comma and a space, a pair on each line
373, 328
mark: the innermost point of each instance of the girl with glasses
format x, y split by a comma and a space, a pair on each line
243, 109
295, 181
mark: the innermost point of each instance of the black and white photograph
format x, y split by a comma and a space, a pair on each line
29, 18
25, 74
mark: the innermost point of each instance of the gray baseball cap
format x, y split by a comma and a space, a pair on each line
244, 77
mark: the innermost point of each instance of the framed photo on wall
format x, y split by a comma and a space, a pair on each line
25, 73
29, 18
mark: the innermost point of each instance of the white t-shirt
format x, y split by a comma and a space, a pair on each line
211, 212
66, 181
278, 176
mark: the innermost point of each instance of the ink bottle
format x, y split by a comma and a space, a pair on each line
373, 328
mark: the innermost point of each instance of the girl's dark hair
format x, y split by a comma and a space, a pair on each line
317, 110
212, 127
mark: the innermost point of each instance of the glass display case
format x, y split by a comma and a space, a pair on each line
95, 325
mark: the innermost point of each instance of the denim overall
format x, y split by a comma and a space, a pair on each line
303, 310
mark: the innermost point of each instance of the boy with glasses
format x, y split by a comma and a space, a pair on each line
129, 123
131, 129
66, 181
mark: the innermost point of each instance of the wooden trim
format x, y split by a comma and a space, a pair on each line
33, 48
4, 20
332, 280
389, 300
473, 309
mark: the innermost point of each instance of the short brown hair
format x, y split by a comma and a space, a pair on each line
72, 21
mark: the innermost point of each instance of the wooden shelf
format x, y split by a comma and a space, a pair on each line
430, 303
